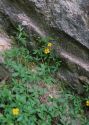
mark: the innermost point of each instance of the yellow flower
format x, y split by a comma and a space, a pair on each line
49, 44
15, 111
87, 103
46, 50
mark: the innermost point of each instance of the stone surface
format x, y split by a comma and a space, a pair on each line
5, 43
68, 20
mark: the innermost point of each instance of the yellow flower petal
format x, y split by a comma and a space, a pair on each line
46, 50
15, 111
87, 103
49, 44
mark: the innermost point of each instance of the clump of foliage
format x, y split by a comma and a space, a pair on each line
44, 52
22, 66
21, 104
22, 100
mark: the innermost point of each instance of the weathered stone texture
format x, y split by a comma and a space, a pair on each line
67, 19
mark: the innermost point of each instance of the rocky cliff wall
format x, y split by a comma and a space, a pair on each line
68, 20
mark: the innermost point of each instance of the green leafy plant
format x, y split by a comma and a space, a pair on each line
46, 54
32, 111
26, 98
21, 36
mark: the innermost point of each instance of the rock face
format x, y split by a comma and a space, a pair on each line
5, 43
66, 19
